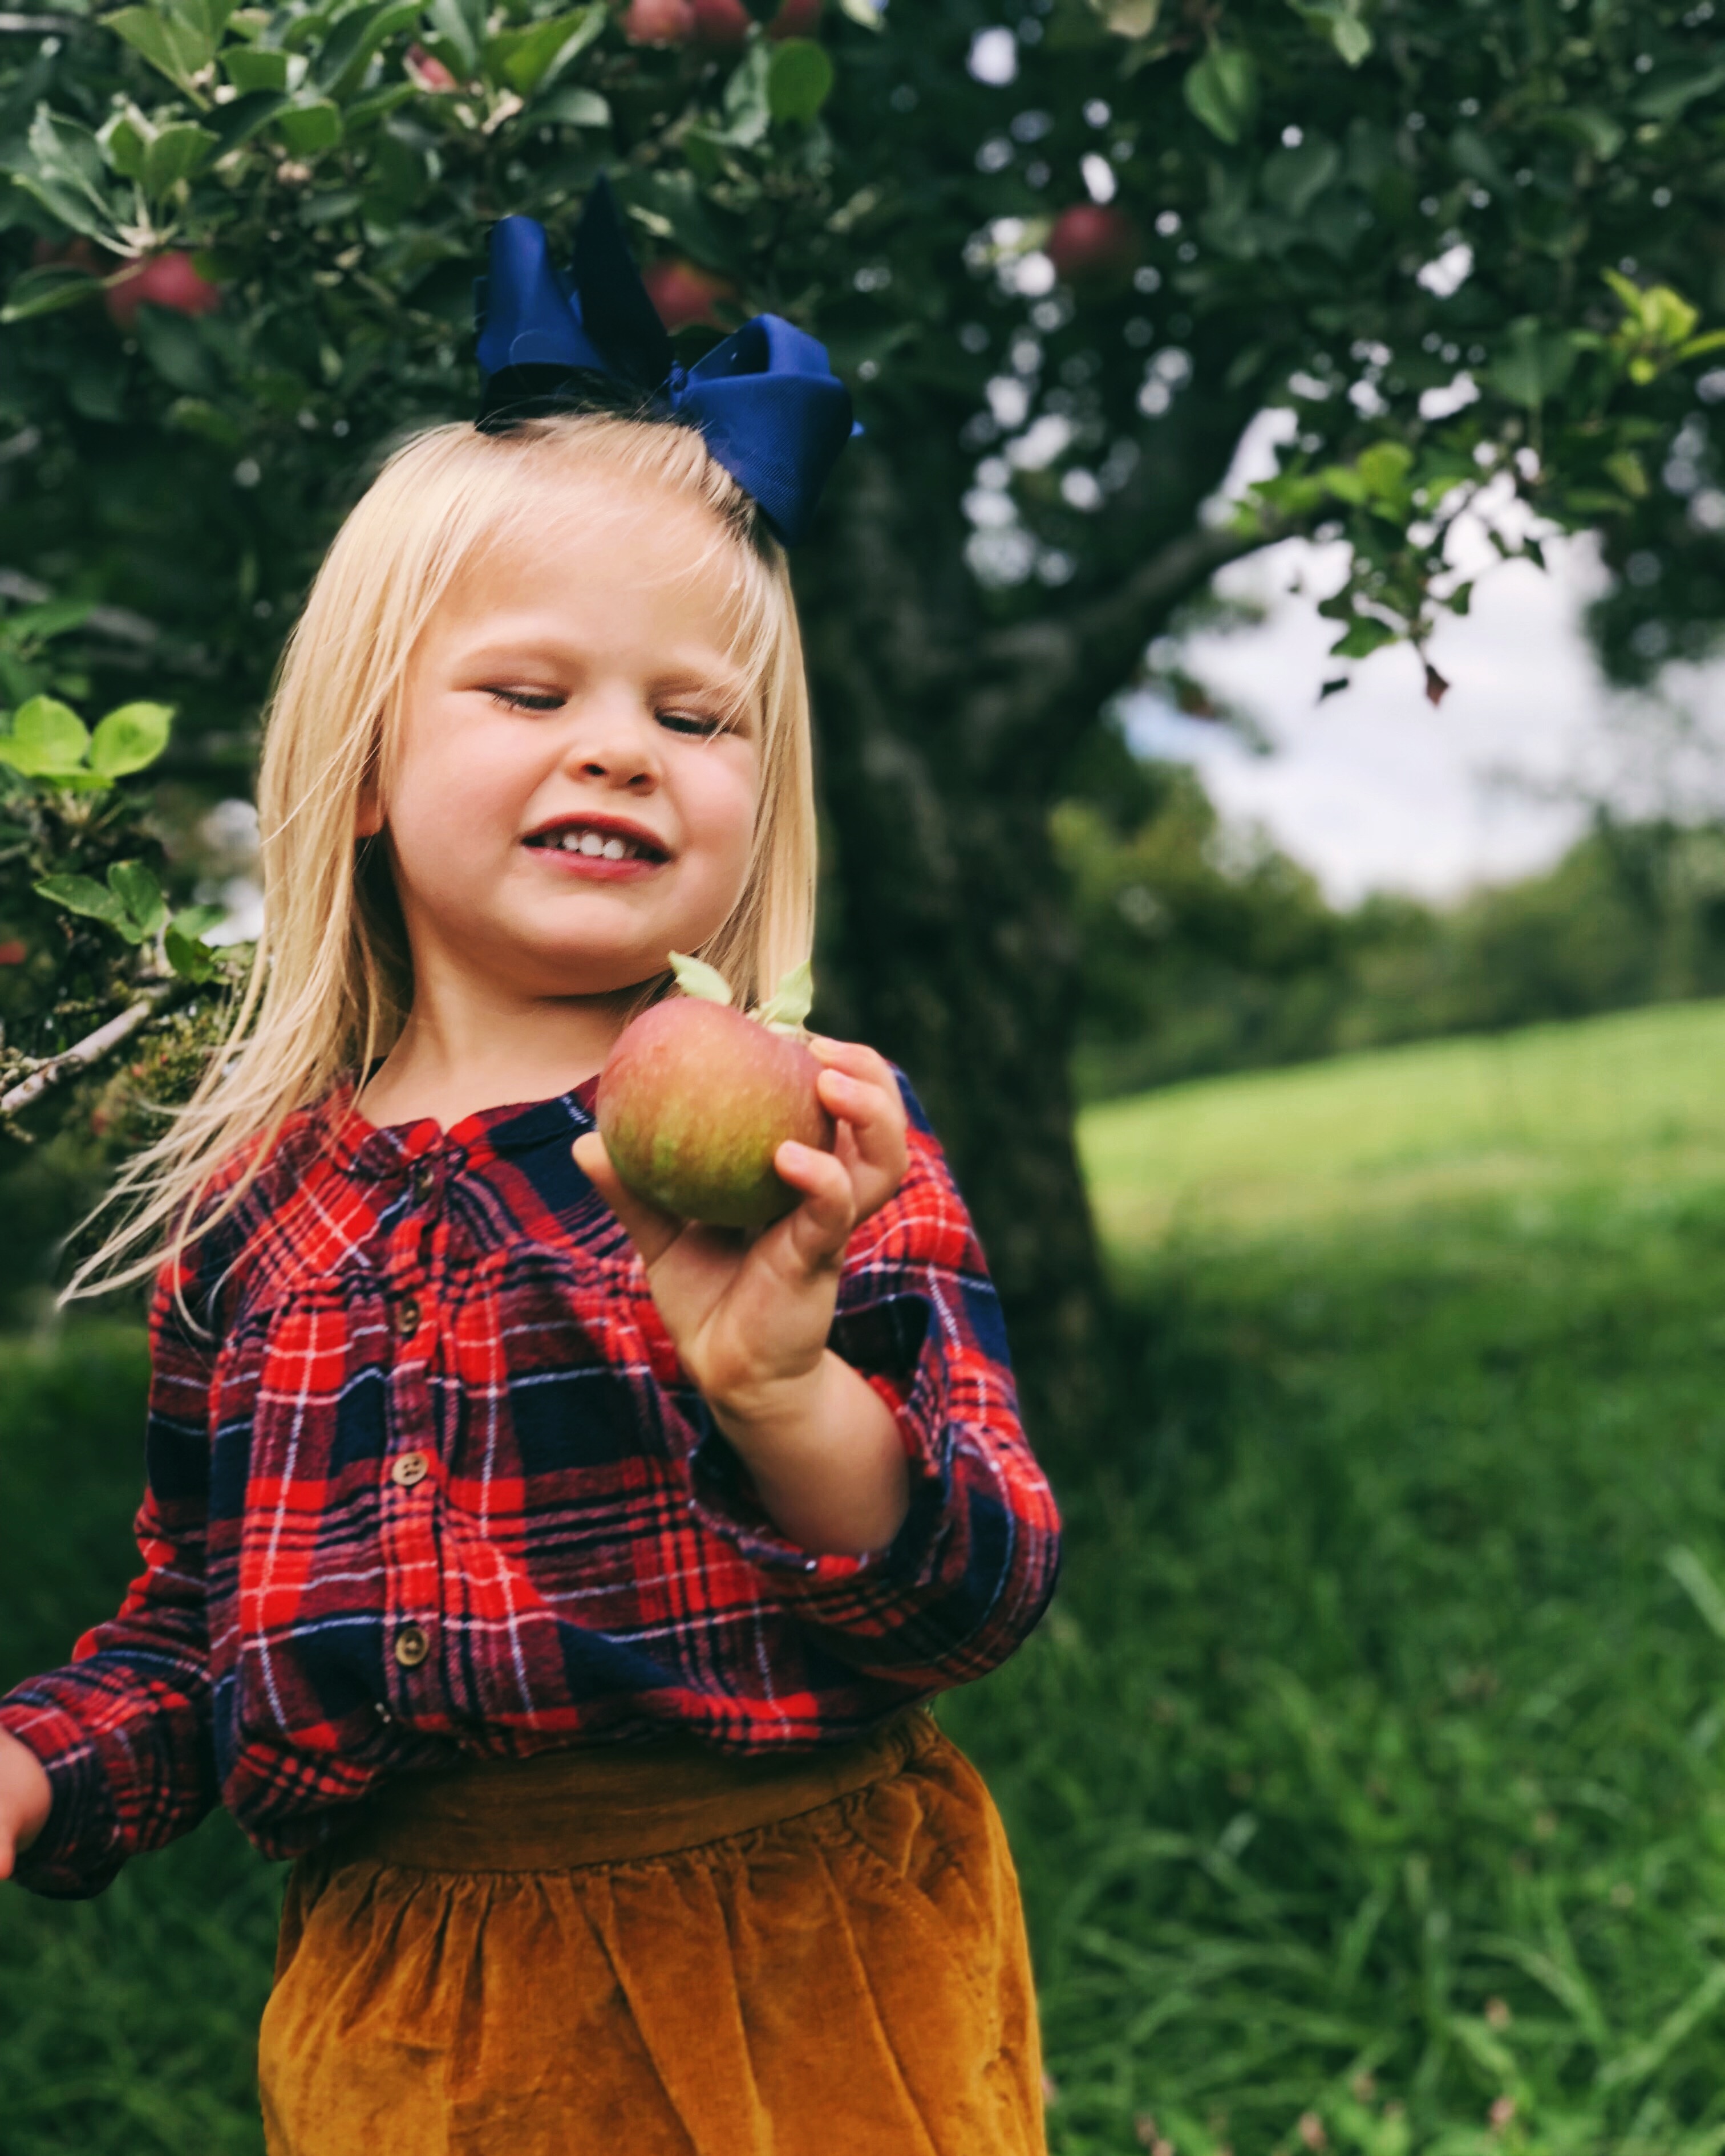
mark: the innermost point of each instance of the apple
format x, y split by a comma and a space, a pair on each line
684, 293
658, 22
725, 23
13, 953
428, 72
694, 1100
1092, 243
164, 280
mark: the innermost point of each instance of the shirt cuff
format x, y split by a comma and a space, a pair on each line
78, 1851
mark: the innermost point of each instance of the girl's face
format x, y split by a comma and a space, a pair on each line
575, 780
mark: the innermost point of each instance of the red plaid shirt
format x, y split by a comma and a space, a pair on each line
426, 1481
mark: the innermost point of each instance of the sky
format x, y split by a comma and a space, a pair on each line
1374, 789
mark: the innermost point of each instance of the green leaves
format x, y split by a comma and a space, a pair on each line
791, 1001
309, 128
1222, 92
182, 942
1343, 22
1657, 330
45, 289
338, 63
178, 39
129, 739
1535, 363
130, 901
799, 79
695, 977
132, 904
530, 60
64, 171
48, 741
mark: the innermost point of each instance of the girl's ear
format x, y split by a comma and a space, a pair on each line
368, 814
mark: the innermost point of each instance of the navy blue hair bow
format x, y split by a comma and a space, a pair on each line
767, 402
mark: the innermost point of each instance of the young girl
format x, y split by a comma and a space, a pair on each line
559, 1584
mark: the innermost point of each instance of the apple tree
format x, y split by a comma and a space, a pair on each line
1068, 253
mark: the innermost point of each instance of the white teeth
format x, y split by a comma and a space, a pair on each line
595, 845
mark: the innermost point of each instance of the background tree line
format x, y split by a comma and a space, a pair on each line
1204, 950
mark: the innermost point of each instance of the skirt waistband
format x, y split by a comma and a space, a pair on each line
612, 1804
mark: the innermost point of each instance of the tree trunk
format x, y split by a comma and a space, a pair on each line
944, 940
942, 736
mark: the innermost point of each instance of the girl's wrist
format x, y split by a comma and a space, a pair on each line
823, 1451
773, 1406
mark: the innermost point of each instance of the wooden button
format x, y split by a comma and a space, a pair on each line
412, 1646
406, 1317
412, 1468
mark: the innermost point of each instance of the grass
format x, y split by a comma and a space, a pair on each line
128, 2023
1615, 1104
1368, 1780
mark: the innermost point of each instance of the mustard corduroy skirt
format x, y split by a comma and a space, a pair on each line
659, 1951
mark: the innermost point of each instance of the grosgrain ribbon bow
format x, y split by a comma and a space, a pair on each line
767, 400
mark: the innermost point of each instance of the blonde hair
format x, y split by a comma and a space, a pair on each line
331, 981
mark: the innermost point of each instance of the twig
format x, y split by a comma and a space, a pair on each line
91, 1049
45, 22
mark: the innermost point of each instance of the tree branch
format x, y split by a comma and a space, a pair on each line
1080, 656
90, 1049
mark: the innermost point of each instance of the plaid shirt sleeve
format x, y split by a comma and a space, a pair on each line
125, 1729
973, 1567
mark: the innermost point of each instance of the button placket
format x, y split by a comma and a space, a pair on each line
410, 1556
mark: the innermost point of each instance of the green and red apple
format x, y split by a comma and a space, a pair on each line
696, 1098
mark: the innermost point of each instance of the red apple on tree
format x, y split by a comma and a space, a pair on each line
695, 1099
684, 293
658, 22
427, 71
162, 280
1093, 244
725, 23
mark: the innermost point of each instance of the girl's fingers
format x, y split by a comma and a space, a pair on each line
872, 1117
821, 1225
855, 1059
651, 1231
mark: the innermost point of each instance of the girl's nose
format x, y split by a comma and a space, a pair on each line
616, 741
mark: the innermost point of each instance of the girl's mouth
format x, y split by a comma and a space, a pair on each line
603, 847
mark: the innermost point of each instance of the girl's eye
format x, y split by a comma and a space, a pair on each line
526, 700
702, 723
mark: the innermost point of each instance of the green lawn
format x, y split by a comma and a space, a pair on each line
1370, 1772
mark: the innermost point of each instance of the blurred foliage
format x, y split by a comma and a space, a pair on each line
1280, 182
1204, 949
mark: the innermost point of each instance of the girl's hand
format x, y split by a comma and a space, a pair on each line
26, 1797
750, 1320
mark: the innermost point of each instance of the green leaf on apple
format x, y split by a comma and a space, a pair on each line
695, 977
791, 1001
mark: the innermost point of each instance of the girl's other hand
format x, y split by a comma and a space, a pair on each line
26, 1797
750, 1320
